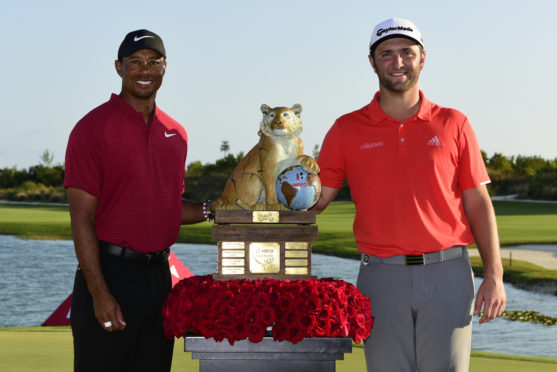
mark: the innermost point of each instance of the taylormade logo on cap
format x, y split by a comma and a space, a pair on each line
382, 31
395, 27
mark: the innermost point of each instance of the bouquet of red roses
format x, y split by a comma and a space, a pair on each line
242, 308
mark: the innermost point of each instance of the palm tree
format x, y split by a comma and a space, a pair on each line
224, 147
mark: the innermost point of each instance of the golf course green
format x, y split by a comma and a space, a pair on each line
49, 349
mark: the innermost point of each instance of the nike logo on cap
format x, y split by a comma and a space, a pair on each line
142, 37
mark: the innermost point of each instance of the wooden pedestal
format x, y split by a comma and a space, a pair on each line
264, 244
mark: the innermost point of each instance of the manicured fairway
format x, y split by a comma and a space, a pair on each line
35, 222
49, 349
518, 223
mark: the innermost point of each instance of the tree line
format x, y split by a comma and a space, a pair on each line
528, 177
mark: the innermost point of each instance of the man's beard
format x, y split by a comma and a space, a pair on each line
411, 80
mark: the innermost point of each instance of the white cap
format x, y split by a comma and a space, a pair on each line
395, 27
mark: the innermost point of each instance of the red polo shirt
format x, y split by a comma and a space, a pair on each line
405, 177
136, 172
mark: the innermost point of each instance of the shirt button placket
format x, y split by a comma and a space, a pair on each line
401, 134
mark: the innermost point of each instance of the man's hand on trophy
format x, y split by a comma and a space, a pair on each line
309, 164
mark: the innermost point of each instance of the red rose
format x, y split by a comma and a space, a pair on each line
344, 330
246, 289
262, 299
221, 334
313, 303
295, 333
323, 327
240, 330
360, 335
342, 316
279, 331
225, 322
237, 313
268, 316
256, 332
242, 301
306, 322
300, 305
285, 300
324, 312
334, 330
252, 314
241, 308
360, 320
309, 288
227, 296
340, 295
289, 317
207, 328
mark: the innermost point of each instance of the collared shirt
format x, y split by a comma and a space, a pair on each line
135, 170
405, 178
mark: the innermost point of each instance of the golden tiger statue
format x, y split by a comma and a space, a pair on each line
252, 184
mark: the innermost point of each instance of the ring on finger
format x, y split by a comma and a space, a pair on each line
107, 324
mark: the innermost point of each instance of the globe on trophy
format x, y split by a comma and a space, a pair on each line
298, 189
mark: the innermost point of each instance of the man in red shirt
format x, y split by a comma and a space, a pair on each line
125, 166
417, 179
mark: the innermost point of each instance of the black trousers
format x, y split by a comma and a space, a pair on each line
141, 291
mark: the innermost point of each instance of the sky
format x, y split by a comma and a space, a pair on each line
492, 60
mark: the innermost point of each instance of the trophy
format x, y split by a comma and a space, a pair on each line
263, 228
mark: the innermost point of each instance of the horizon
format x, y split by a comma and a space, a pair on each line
54, 164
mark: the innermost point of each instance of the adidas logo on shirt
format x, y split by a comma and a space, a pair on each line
434, 142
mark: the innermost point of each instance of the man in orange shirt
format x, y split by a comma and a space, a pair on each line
417, 179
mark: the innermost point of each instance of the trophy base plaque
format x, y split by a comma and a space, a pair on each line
264, 244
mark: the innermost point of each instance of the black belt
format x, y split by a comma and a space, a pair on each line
143, 257
422, 259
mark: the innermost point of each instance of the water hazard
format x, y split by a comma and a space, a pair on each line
36, 276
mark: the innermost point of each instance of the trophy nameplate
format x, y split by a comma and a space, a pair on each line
295, 254
233, 245
264, 258
296, 271
229, 253
266, 217
233, 270
264, 244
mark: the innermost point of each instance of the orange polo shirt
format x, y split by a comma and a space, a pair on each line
405, 177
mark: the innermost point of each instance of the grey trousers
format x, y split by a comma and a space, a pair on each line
423, 316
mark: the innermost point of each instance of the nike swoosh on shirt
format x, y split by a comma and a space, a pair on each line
169, 134
142, 37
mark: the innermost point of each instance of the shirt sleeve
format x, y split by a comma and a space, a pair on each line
472, 170
331, 159
83, 160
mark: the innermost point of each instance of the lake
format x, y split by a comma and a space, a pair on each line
37, 275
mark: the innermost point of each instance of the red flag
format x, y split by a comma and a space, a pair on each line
61, 316
178, 270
